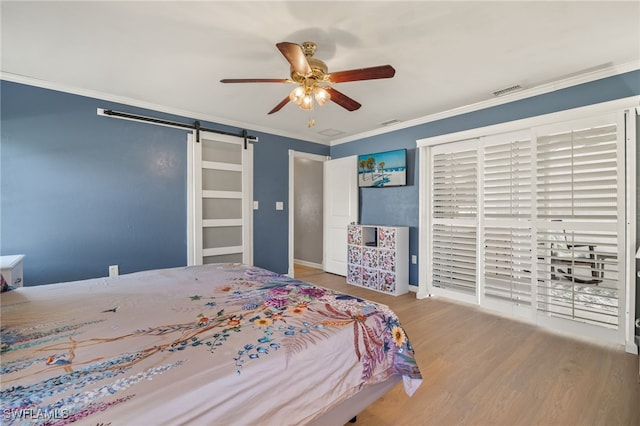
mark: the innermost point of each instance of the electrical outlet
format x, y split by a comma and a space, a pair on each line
256, 205
414, 259
113, 270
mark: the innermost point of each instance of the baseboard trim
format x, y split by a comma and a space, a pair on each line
308, 264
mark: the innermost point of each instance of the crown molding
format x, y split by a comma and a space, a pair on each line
534, 121
515, 96
16, 78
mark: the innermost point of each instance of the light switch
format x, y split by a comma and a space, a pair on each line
255, 205
279, 205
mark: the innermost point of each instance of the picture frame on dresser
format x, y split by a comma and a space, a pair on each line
378, 258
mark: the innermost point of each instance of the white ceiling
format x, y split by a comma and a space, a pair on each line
171, 55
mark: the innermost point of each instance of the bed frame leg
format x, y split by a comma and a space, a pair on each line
354, 419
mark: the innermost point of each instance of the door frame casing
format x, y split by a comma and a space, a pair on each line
293, 154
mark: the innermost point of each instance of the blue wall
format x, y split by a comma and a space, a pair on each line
80, 192
399, 206
271, 184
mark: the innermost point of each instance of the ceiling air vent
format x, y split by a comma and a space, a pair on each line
389, 122
507, 90
330, 132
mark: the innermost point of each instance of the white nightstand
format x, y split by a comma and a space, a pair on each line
11, 269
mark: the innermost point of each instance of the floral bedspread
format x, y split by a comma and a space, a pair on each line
213, 344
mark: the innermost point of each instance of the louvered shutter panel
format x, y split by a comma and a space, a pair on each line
507, 180
507, 219
578, 236
507, 264
455, 209
540, 215
577, 175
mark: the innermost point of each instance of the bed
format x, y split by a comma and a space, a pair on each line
213, 344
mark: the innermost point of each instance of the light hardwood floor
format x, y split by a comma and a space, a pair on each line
484, 369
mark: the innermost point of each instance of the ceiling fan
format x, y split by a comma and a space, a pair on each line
314, 80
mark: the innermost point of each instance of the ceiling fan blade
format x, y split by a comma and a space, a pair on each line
280, 105
254, 80
343, 100
372, 73
294, 54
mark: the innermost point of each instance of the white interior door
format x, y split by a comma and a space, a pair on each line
221, 190
340, 209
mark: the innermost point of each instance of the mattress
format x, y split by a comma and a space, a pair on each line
212, 344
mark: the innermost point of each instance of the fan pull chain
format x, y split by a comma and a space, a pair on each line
311, 122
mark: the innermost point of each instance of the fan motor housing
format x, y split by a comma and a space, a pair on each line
319, 69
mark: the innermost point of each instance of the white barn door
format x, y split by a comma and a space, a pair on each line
340, 209
220, 185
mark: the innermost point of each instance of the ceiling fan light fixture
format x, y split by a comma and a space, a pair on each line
296, 96
305, 95
307, 102
321, 95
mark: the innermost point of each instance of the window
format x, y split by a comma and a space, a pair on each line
455, 207
506, 224
532, 222
580, 221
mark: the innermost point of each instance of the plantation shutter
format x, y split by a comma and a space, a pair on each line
532, 223
455, 210
507, 219
580, 238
